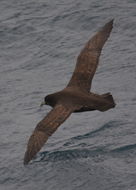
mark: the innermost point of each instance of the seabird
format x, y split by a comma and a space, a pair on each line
76, 97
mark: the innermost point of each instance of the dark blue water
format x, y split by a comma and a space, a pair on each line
39, 43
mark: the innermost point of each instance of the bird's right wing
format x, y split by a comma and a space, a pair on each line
46, 128
88, 59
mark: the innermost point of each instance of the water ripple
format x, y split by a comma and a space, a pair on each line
125, 148
104, 127
69, 154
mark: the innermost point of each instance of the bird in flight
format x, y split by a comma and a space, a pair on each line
76, 97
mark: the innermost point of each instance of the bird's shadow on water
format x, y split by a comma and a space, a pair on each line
79, 152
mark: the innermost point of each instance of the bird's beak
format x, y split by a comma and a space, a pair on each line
42, 104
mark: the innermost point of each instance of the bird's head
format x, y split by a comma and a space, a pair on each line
48, 100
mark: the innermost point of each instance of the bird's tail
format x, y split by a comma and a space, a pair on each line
109, 98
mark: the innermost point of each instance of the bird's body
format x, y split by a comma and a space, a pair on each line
76, 97
82, 101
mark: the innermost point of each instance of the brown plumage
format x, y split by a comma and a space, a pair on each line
76, 97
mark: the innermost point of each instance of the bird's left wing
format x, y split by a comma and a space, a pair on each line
45, 128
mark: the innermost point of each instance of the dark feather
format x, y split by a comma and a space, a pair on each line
75, 96
88, 59
46, 128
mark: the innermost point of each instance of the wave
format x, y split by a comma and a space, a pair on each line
69, 154
125, 148
94, 133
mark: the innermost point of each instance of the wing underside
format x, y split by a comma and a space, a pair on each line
46, 128
88, 59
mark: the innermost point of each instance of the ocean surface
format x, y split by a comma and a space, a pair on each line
39, 43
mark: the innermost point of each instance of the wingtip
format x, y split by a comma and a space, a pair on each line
108, 27
26, 159
35, 143
111, 22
